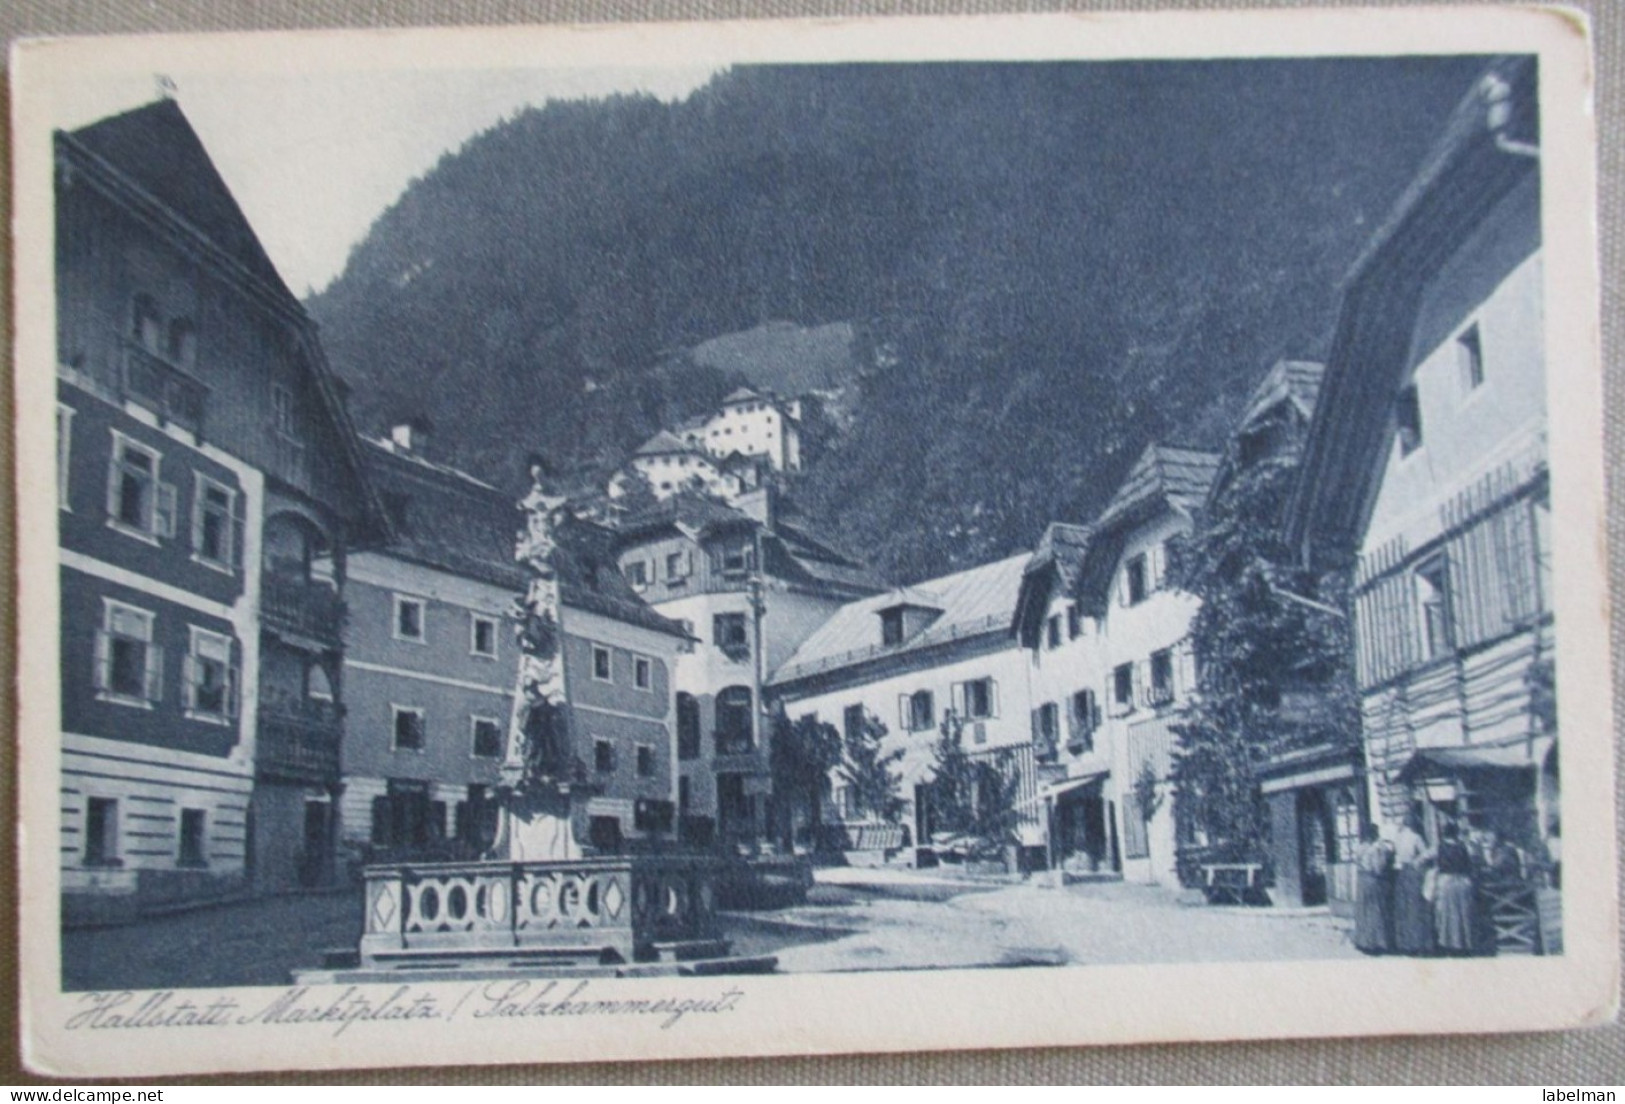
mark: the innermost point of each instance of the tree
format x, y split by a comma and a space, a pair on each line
974, 797
804, 751
867, 771
1272, 658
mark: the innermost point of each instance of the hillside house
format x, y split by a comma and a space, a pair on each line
749, 584
1145, 656
905, 658
1425, 473
671, 465
750, 423
206, 465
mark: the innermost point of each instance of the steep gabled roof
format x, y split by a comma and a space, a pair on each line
1487, 153
155, 148
976, 603
682, 511
741, 395
1293, 382
1056, 566
1164, 478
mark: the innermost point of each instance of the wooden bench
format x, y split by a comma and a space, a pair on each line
1232, 883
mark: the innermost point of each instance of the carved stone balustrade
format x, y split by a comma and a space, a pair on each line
586, 911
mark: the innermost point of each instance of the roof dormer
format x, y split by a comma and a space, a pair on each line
906, 614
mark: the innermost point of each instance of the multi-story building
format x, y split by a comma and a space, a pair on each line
429, 659
670, 465
1425, 474
1144, 625
905, 658
750, 423
432, 663
750, 584
1066, 673
205, 464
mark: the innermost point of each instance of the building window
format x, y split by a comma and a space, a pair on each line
1074, 622
1162, 677
182, 344
192, 836
1052, 631
129, 667
284, 416
891, 627
853, 722
603, 757
1123, 686
1408, 415
1084, 720
146, 327
917, 712
409, 728
737, 559
734, 735
214, 527
210, 679
677, 567
642, 673
1136, 580
601, 669
637, 573
728, 630
646, 761
409, 620
487, 738
1433, 600
688, 726
1047, 725
101, 832
64, 452
137, 501
482, 638
1470, 354
979, 699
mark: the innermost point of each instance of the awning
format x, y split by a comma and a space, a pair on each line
1523, 755
1056, 790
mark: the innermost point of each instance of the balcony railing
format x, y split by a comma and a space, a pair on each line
597, 910
303, 606
163, 388
299, 740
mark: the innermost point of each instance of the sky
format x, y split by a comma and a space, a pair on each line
313, 160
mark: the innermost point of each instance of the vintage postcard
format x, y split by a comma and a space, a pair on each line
694, 540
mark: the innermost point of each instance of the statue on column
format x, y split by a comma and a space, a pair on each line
539, 766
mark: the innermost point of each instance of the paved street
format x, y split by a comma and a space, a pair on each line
854, 920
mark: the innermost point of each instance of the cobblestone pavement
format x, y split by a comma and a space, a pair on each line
854, 920
890, 920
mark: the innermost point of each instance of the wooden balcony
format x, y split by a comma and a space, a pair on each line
299, 740
165, 389
619, 909
303, 607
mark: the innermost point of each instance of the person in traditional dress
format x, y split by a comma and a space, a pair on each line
1413, 913
1374, 893
1453, 895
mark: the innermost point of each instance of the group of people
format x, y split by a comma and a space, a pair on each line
1415, 899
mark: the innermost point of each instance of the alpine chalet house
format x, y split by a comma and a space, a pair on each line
1313, 779
1067, 672
905, 658
205, 465
1425, 472
1144, 625
749, 585
429, 659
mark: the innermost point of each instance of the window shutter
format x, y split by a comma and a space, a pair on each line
1139, 676
1074, 718
104, 660
113, 482
233, 679
902, 714
164, 511
155, 673
1036, 724
197, 516
992, 698
1153, 568
957, 697
688, 562
189, 682
238, 529
380, 820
